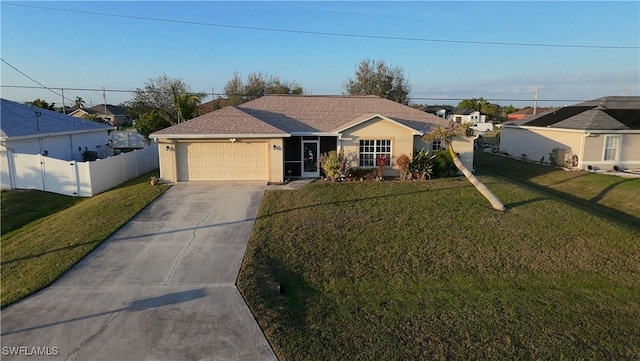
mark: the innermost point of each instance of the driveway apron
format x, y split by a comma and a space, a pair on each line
160, 288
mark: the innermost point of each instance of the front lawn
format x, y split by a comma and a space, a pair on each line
614, 194
37, 253
427, 270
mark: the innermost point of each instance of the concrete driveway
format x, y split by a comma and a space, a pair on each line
161, 288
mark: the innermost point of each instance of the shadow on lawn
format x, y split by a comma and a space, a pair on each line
523, 173
8, 262
367, 198
282, 293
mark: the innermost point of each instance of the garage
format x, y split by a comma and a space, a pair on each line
207, 161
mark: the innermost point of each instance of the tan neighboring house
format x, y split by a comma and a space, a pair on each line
111, 114
278, 137
597, 134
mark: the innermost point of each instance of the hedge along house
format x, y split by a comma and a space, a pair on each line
596, 134
277, 137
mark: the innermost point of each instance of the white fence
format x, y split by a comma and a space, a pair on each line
84, 179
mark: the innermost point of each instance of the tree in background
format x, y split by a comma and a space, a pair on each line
93, 118
160, 93
494, 112
42, 104
79, 103
378, 78
186, 104
445, 136
257, 84
152, 121
163, 102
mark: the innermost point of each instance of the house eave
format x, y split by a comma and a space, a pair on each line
56, 134
372, 116
216, 136
315, 134
567, 130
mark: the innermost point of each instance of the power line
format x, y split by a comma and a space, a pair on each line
324, 33
33, 80
226, 95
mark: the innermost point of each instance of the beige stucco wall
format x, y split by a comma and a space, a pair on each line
536, 143
377, 128
629, 151
276, 160
168, 159
403, 141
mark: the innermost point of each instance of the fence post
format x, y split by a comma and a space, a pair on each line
75, 176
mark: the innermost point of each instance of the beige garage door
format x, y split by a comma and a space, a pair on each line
222, 161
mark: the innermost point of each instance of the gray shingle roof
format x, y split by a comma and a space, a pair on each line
286, 114
594, 119
19, 120
608, 113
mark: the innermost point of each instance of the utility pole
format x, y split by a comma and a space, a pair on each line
104, 98
63, 107
535, 103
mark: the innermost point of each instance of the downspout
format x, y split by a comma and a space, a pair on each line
582, 141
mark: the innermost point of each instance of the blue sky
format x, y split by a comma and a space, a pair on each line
75, 49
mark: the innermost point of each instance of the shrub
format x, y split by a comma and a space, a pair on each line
381, 164
442, 164
557, 156
333, 164
362, 173
422, 164
403, 163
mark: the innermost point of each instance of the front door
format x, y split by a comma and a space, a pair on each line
310, 158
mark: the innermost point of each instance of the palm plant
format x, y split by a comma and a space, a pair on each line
445, 135
186, 104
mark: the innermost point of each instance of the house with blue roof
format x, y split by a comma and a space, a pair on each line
26, 129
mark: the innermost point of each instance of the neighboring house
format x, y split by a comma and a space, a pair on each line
30, 130
467, 115
526, 112
111, 114
277, 137
441, 111
600, 134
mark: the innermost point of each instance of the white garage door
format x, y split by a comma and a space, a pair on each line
222, 161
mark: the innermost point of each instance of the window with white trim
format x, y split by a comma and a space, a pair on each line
436, 145
372, 149
611, 147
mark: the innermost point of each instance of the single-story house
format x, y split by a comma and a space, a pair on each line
442, 111
278, 137
467, 115
30, 130
596, 134
111, 114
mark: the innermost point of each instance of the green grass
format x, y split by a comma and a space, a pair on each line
42, 249
20, 207
426, 270
615, 195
